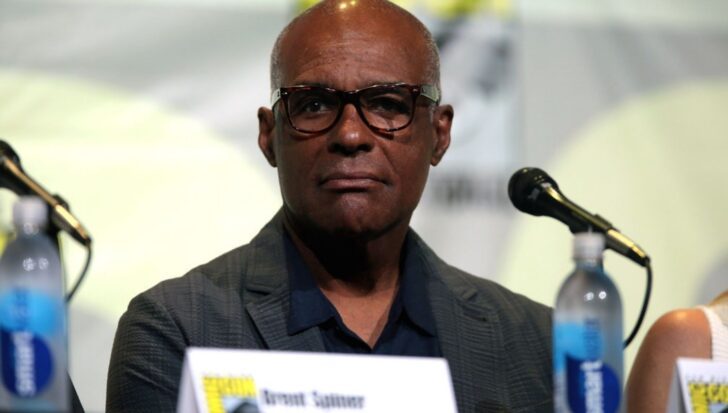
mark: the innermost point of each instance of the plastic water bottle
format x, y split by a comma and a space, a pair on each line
588, 335
33, 344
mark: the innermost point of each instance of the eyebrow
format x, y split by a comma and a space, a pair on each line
369, 84
316, 84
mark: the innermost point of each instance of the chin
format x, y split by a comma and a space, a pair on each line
352, 227
352, 217
359, 225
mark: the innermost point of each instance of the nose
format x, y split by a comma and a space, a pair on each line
351, 135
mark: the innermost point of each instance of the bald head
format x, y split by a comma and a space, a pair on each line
331, 20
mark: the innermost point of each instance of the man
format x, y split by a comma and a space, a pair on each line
354, 126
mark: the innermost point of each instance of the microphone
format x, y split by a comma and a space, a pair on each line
534, 192
14, 178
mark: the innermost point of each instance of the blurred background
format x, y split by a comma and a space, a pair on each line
142, 114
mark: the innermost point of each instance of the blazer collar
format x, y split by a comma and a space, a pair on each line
266, 268
267, 274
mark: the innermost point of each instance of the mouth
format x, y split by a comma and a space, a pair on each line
351, 181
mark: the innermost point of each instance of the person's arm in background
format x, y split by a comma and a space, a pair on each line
679, 333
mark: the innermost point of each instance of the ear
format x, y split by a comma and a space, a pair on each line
266, 129
442, 123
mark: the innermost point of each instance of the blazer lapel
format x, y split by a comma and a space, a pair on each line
270, 316
268, 293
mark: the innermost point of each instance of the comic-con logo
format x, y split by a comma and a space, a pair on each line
706, 397
230, 394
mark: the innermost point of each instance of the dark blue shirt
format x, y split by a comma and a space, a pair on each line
410, 329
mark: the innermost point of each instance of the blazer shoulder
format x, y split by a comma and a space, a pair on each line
258, 266
492, 295
225, 273
470, 288
206, 305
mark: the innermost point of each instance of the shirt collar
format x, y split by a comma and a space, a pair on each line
413, 292
309, 307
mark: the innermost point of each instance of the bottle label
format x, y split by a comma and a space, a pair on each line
25, 318
583, 380
591, 386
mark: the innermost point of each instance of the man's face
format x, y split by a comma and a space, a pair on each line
350, 180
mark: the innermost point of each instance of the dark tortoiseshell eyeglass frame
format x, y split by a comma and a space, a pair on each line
354, 97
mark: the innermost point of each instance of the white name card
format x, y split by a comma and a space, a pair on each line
699, 386
254, 381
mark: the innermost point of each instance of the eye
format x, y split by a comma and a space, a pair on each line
313, 106
311, 102
388, 102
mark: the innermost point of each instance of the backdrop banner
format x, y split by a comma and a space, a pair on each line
142, 114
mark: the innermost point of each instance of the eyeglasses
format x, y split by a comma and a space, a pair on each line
383, 108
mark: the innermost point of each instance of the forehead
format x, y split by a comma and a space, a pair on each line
353, 51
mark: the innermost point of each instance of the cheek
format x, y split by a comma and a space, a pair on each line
294, 170
412, 166
415, 154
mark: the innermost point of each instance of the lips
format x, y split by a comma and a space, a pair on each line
351, 181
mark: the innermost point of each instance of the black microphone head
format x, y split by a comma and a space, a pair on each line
524, 187
7, 151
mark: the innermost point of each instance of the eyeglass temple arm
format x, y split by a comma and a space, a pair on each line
275, 97
430, 92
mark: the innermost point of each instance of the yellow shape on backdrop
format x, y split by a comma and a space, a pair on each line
655, 166
159, 192
446, 9
302, 5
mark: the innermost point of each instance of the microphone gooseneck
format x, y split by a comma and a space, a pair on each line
15, 179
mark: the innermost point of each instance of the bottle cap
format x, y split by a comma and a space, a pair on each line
588, 246
30, 210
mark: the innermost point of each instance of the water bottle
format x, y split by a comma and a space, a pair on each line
588, 335
33, 344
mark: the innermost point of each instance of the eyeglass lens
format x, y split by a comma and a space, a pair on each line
316, 109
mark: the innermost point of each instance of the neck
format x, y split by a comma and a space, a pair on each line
353, 265
358, 275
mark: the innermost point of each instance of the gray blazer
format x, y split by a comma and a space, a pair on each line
497, 343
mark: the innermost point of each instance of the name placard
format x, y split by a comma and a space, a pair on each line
699, 385
254, 381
